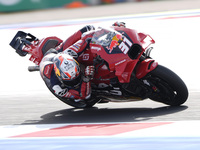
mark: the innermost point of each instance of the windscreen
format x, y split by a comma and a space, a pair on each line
105, 36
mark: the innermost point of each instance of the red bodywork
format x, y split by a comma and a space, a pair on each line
120, 64
36, 48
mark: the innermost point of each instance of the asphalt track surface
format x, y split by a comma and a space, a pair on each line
44, 108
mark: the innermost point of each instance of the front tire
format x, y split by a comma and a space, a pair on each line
168, 87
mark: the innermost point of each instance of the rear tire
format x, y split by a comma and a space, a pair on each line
168, 88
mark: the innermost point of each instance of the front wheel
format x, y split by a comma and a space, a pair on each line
167, 87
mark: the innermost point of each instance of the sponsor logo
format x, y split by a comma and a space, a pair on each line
86, 57
47, 71
116, 40
121, 42
59, 91
120, 62
96, 48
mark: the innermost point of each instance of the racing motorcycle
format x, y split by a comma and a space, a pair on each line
124, 70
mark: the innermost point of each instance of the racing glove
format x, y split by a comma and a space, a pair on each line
89, 73
119, 24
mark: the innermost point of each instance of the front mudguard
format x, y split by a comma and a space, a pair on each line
145, 67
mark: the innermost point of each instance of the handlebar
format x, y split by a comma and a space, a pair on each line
33, 68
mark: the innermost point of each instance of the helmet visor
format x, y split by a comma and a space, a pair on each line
72, 83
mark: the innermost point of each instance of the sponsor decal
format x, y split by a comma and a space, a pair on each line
96, 48
59, 91
120, 62
115, 42
118, 44
86, 57
47, 71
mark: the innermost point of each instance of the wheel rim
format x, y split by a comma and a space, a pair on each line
161, 91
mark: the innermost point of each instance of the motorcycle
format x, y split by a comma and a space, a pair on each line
124, 69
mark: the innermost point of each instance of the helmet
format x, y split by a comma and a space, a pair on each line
67, 70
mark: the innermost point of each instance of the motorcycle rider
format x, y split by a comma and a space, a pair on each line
62, 73
59, 68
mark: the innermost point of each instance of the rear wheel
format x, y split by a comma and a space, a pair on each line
167, 86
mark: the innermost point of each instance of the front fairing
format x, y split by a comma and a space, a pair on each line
113, 46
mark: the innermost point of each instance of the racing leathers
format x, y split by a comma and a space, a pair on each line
74, 46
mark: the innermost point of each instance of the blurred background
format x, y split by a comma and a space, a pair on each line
21, 5
27, 5
23, 11
20, 11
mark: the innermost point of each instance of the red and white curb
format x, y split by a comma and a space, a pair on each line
139, 129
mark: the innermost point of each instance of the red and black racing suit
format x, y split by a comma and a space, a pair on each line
74, 45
